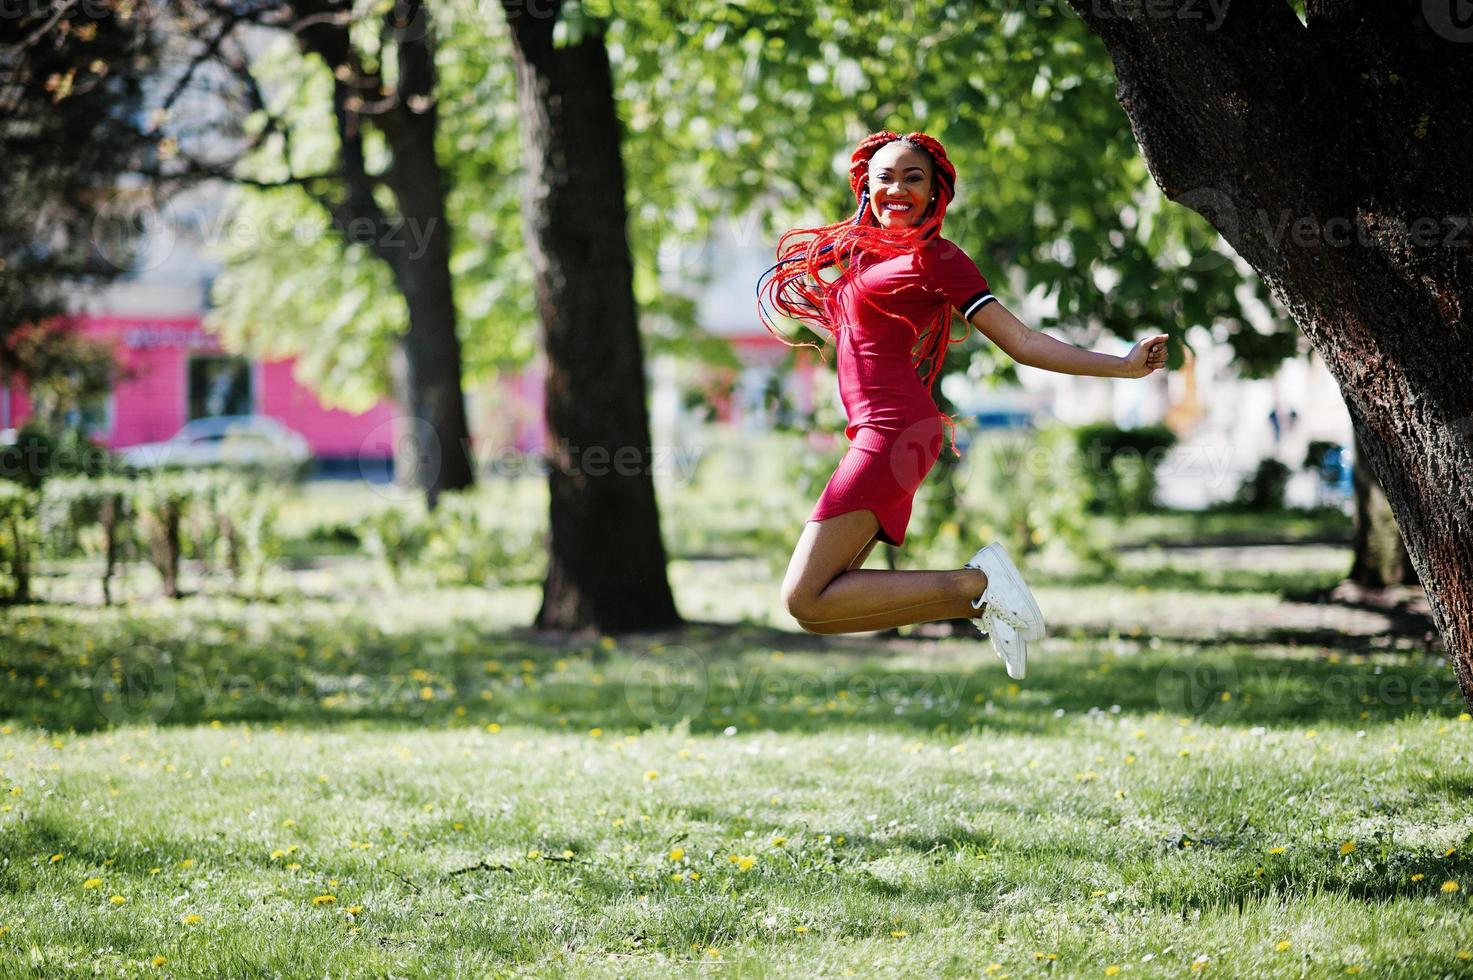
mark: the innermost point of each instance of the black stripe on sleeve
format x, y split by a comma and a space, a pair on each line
976, 303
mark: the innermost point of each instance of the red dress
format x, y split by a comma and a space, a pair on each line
895, 429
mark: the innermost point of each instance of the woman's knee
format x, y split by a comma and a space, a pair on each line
800, 605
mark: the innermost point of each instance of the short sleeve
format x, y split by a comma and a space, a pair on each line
952, 273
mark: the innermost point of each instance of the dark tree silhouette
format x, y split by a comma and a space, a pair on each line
606, 563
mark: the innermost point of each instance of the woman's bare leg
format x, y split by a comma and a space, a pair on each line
826, 591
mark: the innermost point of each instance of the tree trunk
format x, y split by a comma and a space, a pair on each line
1332, 156
1381, 557
606, 561
407, 436
443, 453
414, 241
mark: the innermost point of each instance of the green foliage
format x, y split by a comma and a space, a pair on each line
1119, 465
18, 540
1030, 492
463, 548
395, 535
737, 120
455, 544
224, 519
41, 451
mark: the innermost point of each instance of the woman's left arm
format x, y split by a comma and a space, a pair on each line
1036, 349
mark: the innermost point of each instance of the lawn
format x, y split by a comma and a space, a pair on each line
1204, 774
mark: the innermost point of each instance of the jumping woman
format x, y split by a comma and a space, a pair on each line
884, 283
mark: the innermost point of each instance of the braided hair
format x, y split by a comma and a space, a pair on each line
793, 286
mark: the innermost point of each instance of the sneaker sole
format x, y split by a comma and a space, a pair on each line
1019, 662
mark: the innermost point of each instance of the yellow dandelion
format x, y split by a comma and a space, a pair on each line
158, 961
993, 967
596, 732
1347, 847
57, 857
1277, 850
899, 933
1097, 893
117, 899
92, 883
1463, 954
800, 928
1450, 886
354, 909
324, 899
154, 871
533, 854
779, 841
1130, 759
745, 862
288, 822
1449, 852
192, 918
293, 866
278, 853
676, 853
1352, 968
1111, 970
1282, 945
1418, 876
650, 775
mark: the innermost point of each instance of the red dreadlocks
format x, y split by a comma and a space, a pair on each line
794, 288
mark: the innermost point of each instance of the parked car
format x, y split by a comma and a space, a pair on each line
224, 440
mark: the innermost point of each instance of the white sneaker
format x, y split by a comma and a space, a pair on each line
1011, 647
1006, 597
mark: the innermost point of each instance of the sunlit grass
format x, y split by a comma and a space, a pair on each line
357, 780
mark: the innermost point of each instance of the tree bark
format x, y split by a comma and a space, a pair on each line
606, 562
415, 240
1381, 557
1332, 156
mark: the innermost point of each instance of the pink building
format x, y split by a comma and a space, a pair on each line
174, 371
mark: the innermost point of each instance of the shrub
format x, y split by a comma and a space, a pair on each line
1264, 489
1119, 465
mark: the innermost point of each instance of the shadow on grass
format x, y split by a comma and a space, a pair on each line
62, 671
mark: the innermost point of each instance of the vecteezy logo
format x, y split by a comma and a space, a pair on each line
1450, 19
666, 685
408, 439
135, 686
1195, 688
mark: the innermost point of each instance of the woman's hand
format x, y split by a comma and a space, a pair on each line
1146, 356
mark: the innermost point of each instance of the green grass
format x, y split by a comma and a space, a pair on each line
480, 800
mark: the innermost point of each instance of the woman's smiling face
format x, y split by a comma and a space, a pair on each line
899, 184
